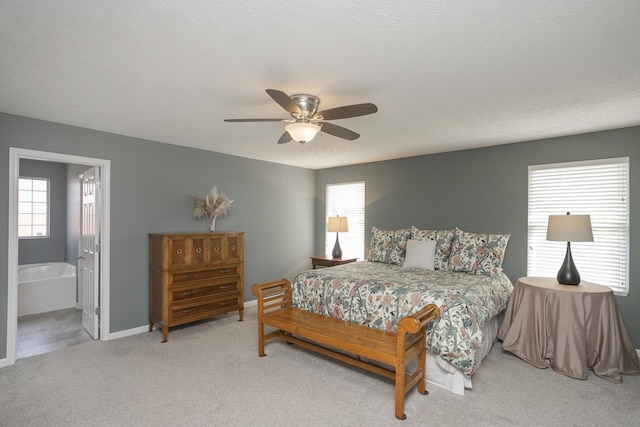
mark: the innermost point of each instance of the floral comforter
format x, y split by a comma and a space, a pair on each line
379, 295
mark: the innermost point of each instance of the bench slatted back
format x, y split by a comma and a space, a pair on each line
274, 295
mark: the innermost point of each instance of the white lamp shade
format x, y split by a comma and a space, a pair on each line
338, 224
302, 132
569, 228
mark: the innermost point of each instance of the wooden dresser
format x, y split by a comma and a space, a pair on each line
194, 276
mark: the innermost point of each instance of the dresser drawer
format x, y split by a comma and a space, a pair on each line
190, 276
182, 295
204, 310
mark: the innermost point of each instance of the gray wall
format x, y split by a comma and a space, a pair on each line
485, 190
53, 248
150, 187
478, 190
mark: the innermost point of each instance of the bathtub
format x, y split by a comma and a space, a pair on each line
46, 287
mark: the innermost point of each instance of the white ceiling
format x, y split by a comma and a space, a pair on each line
445, 74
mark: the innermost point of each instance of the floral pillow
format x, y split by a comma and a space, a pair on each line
389, 247
478, 253
443, 238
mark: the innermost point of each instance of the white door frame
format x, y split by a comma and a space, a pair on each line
15, 154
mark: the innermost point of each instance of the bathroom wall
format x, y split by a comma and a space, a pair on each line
53, 248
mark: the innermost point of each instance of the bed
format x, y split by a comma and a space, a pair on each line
462, 275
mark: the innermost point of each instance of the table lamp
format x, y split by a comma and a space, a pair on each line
337, 224
569, 228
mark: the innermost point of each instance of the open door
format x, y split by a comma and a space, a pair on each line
89, 252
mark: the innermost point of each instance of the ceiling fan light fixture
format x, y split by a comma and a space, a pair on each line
304, 110
302, 132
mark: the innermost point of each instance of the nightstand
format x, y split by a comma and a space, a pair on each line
571, 328
325, 261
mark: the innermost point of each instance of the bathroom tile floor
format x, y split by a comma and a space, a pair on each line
45, 332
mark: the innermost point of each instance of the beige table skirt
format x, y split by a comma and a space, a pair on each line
570, 328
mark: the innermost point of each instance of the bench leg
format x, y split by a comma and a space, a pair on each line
422, 365
400, 379
261, 339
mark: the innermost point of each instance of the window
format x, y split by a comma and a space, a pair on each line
347, 199
598, 188
33, 207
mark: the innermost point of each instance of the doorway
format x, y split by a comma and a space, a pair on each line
101, 283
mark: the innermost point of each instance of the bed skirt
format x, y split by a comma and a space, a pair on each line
442, 374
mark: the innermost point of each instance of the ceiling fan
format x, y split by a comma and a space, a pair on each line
307, 121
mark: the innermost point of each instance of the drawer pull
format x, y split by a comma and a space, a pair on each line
226, 302
198, 250
233, 248
215, 248
188, 293
188, 276
179, 251
226, 270
189, 310
225, 287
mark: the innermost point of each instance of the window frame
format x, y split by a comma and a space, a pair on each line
352, 242
610, 218
47, 204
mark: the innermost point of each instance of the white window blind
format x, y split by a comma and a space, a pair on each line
599, 188
347, 199
33, 207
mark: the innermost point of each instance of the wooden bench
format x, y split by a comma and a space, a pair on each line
346, 341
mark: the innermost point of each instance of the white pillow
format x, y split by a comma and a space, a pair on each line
420, 254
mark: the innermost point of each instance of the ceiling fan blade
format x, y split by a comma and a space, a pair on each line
284, 101
284, 138
339, 131
252, 120
348, 111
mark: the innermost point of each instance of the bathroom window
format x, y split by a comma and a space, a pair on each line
33, 207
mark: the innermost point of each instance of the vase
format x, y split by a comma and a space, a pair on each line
212, 222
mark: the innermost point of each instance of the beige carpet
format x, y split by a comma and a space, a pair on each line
210, 375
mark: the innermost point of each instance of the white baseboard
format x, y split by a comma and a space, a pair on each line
638, 353
3, 363
141, 329
128, 332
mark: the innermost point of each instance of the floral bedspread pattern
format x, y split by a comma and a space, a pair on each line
379, 295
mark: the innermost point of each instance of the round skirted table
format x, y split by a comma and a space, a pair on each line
570, 328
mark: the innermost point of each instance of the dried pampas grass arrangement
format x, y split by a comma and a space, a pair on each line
211, 205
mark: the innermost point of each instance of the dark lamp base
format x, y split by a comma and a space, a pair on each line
568, 274
337, 252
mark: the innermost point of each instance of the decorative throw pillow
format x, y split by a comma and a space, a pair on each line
478, 253
389, 247
420, 254
443, 239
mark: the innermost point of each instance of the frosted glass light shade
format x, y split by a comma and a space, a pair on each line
302, 132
